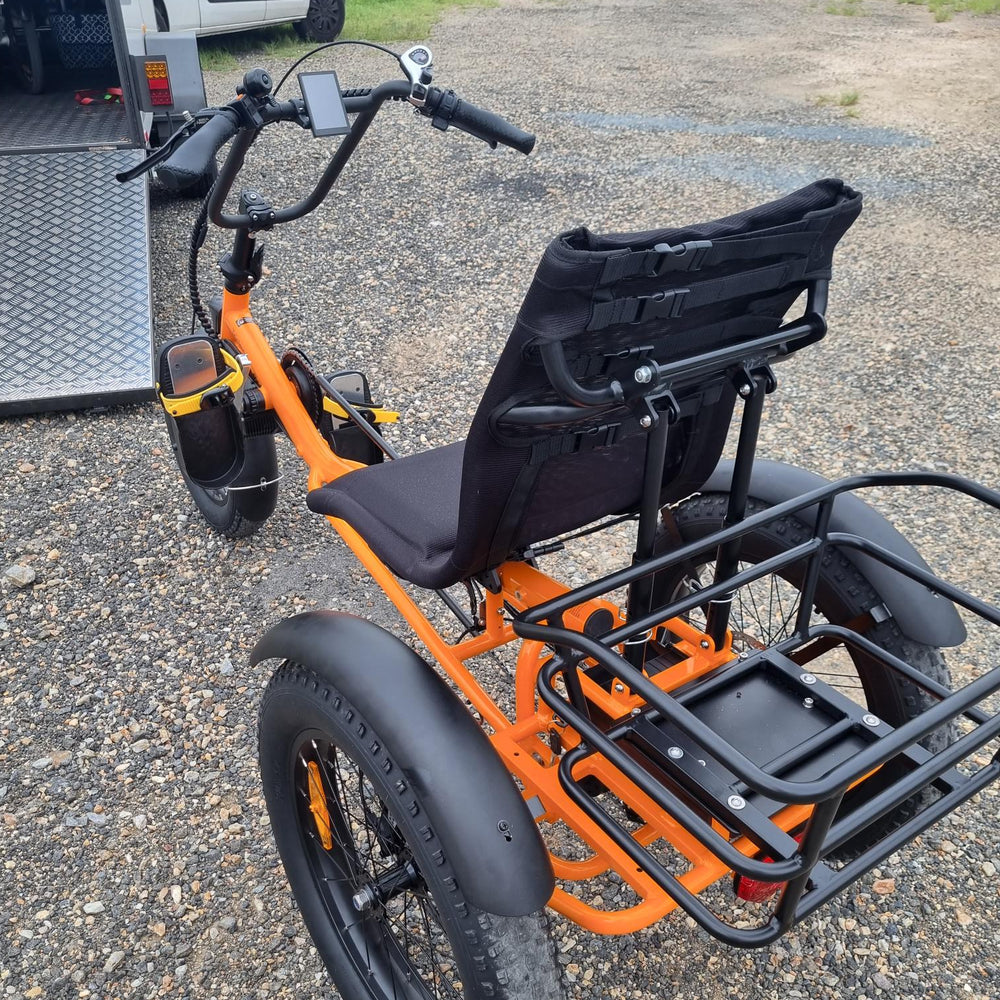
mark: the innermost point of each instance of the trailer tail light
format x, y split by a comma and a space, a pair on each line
158, 82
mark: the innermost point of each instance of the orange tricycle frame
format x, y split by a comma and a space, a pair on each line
521, 741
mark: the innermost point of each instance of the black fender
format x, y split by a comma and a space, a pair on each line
476, 810
920, 614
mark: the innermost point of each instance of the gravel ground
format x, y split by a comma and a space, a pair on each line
137, 857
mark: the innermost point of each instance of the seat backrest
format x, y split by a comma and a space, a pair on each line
611, 302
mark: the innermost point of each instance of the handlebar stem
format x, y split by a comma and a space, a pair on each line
367, 107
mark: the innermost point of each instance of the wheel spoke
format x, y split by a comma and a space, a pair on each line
397, 939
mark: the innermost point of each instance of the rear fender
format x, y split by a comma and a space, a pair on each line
921, 615
473, 804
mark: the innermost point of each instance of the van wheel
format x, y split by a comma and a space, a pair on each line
162, 21
324, 21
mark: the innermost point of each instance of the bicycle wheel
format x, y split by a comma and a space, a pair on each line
376, 891
763, 613
239, 510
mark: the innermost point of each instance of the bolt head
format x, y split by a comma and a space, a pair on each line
808, 703
871, 720
736, 802
705, 644
619, 687
807, 678
645, 420
636, 711
745, 390
643, 375
675, 753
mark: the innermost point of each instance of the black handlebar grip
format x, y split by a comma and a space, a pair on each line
193, 158
491, 128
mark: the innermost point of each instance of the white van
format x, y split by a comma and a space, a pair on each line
318, 20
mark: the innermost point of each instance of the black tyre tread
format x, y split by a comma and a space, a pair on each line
224, 518
852, 593
231, 518
514, 957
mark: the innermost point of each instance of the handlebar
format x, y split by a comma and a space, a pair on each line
249, 114
447, 108
192, 159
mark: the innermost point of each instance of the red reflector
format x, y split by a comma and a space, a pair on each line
753, 890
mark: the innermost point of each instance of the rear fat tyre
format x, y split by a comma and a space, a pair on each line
843, 594
417, 936
239, 513
324, 21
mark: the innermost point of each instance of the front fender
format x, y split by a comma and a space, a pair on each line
473, 804
920, 615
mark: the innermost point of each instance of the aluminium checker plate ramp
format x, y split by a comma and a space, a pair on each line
75, 315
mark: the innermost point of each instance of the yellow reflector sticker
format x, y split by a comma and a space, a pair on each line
317, 806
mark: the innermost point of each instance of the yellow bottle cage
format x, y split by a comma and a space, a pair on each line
382, 416
181, 406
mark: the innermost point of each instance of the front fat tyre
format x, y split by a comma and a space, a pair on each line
324, 21
763, 613
376, 890
239, 513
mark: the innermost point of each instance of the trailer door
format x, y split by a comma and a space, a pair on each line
75, 316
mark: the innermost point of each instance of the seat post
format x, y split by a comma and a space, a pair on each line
753, 389
640, 593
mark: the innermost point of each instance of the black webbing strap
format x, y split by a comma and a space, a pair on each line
696, 254
673, 302
520, 494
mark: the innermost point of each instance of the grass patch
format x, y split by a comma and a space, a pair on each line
944, 10
370, 20
847, 8
846, 99
398, 20
272, 45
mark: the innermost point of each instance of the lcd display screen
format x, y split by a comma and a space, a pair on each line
324, 105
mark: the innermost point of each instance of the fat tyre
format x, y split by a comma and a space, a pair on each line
843, 594
324, 21
377, 838
239, 513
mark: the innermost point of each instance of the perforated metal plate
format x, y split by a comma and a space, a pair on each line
75, 319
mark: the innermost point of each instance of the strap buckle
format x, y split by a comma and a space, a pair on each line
688, 256
661, 305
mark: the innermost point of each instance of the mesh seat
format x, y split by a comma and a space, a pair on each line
533, 466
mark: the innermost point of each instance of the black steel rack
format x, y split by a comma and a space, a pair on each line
694, 761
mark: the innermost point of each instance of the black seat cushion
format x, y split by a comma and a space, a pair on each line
417, 495
608, 303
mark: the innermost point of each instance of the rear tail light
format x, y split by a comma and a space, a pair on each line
158, 82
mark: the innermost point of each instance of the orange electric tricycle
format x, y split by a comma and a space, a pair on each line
756, 701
